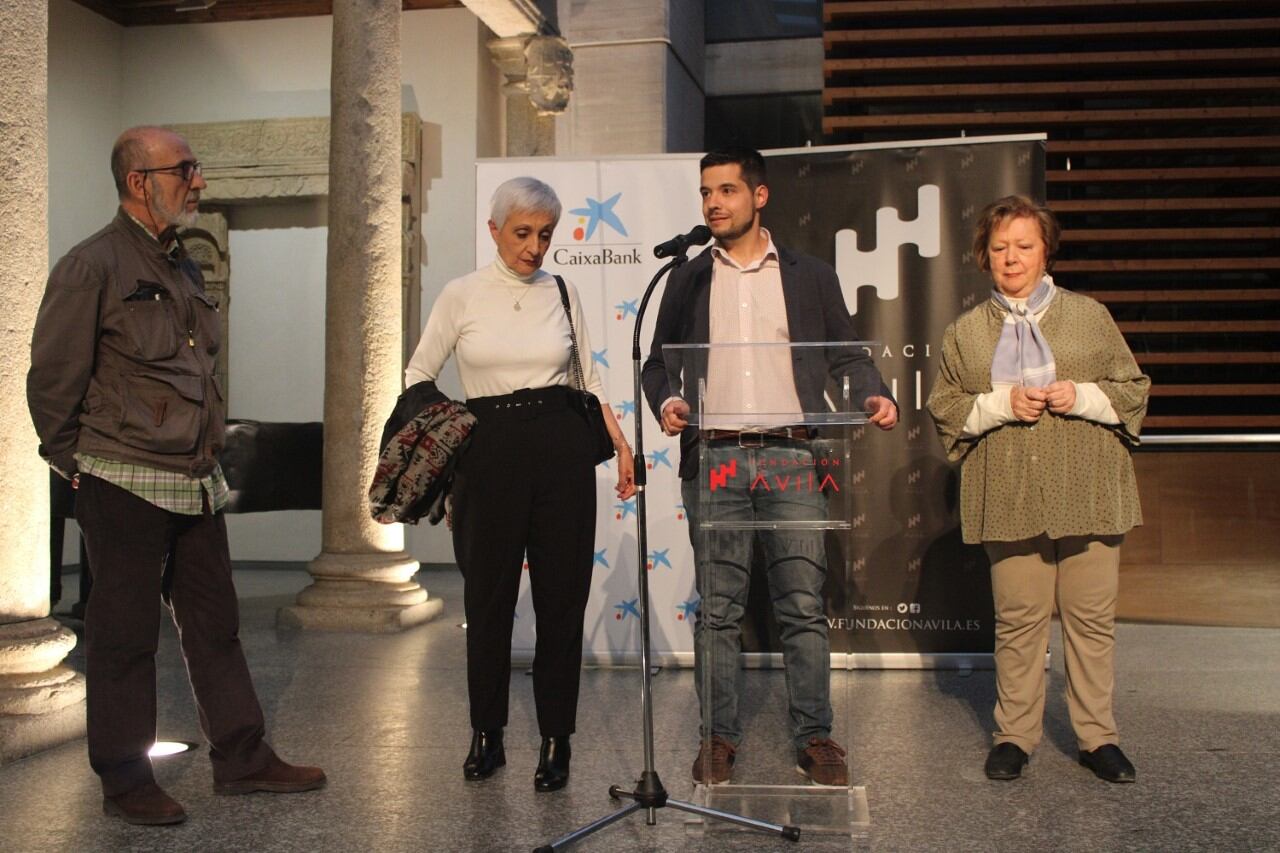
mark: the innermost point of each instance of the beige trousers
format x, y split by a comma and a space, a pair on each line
1082, 574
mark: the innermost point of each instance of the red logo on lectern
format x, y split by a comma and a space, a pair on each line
721, 475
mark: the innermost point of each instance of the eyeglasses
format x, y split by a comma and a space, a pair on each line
187, 169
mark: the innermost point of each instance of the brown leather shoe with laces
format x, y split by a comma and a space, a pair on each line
714, 764
822, 760
278, 777
146, 805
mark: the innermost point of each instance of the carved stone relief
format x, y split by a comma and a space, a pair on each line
539, 81
250, 162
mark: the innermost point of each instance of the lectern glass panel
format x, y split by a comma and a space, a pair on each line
770, 526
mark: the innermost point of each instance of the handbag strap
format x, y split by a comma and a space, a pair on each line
573, 336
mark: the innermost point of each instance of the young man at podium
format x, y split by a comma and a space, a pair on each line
745, 290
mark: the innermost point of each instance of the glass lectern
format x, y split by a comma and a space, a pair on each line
770, 504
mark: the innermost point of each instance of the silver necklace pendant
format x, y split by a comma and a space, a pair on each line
516, 306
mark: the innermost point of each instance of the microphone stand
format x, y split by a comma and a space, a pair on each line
649, 793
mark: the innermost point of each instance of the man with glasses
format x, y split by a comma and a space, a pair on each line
124, 398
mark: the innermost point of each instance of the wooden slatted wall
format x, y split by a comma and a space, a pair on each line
1163, 119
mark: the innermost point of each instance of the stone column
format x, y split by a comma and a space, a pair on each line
363, 576
41, 700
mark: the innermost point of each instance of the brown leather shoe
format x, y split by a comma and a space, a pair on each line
822, 760
278, 777
714, 764
145, 806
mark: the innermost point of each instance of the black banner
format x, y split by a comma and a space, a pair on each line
897, 224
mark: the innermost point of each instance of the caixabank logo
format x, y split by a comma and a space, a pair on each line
622, 408
628, 608
659, 558
603, 217
687, 610
659, 458
627, 308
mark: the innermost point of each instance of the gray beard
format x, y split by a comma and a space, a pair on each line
179, 218
186, 219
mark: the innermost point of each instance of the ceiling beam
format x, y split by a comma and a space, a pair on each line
135, 13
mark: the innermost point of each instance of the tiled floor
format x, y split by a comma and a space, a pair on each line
1199, 711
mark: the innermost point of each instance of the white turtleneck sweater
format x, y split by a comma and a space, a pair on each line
500, 350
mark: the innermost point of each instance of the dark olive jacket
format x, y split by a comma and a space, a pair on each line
123, 356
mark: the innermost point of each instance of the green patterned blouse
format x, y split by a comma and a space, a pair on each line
1062, 476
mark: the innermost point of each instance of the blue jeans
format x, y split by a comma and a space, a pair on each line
796, 561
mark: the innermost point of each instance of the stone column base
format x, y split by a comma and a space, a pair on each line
41, 700
371, 593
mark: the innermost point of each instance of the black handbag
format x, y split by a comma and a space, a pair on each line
580, 399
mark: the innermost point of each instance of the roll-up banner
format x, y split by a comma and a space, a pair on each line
896, 221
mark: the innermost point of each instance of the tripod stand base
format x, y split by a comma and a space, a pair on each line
649, 796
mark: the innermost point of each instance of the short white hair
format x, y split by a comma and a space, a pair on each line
525, 193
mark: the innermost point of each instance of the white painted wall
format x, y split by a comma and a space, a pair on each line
276, 367
85, 94
104, 78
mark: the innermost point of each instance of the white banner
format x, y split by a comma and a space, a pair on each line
615, 212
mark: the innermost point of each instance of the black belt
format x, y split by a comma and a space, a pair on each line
758, 437
525, 404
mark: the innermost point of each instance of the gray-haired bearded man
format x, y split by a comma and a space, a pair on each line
123, 396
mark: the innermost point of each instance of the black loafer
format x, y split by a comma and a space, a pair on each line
553, 764
486, 755
1005, 761
1108, 762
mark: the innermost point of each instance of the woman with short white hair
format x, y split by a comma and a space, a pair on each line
526, 484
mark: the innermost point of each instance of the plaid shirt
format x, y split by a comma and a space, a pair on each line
168, 490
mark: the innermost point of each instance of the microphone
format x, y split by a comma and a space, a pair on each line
680, 244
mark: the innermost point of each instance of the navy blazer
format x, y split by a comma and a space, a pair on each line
815, 312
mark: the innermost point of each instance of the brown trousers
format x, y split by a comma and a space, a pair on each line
139, 554
1082, 574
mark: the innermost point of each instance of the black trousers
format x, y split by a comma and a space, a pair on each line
141, 554
525, 486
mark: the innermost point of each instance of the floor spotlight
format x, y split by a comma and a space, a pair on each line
163, 748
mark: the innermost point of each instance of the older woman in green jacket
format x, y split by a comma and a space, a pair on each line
1041, 401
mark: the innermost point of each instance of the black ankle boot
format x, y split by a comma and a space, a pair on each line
553, 764
486, 755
